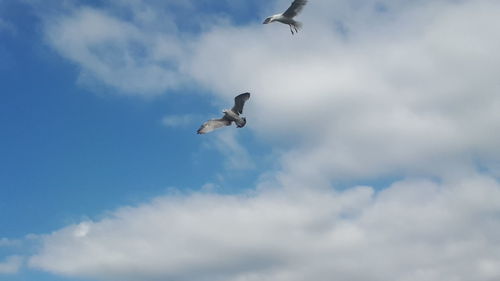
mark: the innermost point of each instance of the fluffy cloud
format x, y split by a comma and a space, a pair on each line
115, 52
413, 230
133, 46
416, 93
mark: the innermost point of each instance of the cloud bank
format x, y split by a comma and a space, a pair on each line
413, 230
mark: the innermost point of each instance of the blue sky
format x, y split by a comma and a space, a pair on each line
376, 114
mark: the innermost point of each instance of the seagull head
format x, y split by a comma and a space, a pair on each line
241, 125
268, 20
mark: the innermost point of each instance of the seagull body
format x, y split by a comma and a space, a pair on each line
288, 15
230, 116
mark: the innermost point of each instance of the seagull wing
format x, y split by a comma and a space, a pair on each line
213, 124
295, 8
239, 102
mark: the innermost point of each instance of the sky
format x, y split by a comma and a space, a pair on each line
370, 152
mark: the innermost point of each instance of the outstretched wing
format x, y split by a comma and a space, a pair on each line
213, 124
239, 102
295, 8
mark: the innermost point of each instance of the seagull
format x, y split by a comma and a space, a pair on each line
287, 16
230, 116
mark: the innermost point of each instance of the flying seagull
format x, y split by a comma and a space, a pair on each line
230, 116
288, 15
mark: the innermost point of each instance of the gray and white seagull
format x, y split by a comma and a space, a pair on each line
288, 15
230, 116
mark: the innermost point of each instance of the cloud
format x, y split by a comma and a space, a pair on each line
413, 230
116, 52
11, 265
409, 91
175, 121
227, 143
134, 47
5, 242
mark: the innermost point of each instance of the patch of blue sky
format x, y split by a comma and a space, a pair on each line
189, 16
377, 184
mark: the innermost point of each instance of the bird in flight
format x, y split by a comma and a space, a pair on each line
230, 116
288, 15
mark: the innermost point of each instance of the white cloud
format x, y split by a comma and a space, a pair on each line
413, 230
132, 46
116, 52
416, 93
11, 265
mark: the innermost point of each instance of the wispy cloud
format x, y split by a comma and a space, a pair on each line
236, 155
5, 242
11, 265
175, 121
7, 26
